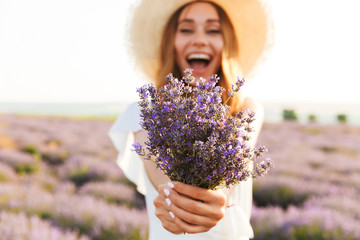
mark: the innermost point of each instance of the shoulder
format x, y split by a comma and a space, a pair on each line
128, 120
132, 109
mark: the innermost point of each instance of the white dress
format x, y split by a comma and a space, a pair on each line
234, 226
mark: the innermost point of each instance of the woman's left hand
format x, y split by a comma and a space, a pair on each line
194, 209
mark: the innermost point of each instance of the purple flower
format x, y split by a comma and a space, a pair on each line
239, 83
193, 138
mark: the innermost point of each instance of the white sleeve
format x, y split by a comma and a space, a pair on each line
121, 134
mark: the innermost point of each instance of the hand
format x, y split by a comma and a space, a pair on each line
195, 209
163, 211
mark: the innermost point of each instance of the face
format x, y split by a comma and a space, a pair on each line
198, 40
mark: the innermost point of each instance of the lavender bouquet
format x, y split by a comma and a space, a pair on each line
192, 137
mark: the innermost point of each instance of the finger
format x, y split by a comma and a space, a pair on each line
199, 193
188, 228
162, 203
188, 204
172, 227
214, 211
193, 219
164, 215
167, 220
163, 190
191, 191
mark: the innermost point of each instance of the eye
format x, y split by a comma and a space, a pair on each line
185, 30
214, 31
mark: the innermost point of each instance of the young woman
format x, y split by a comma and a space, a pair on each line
223, 37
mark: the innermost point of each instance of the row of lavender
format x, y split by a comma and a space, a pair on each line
58, 180
314, 189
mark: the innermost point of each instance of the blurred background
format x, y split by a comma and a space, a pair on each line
53, 54
65, 76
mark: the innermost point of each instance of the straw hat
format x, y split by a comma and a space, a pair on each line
148, 19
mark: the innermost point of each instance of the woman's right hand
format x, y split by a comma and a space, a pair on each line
189, 208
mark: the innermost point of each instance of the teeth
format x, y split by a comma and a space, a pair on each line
198, 56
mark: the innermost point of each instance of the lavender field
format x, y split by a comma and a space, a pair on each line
59, 180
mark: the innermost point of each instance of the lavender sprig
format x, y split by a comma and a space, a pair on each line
193, 138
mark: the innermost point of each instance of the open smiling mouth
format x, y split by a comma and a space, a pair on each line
198, 61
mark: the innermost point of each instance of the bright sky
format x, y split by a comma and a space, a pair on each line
71, 51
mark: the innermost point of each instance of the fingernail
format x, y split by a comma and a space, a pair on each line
170, 184
167, 192
168, 201
172, 214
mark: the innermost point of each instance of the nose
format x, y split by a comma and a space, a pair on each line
200, 38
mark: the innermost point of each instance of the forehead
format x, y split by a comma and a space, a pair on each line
199, 11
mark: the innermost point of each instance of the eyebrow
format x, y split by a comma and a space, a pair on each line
191, 21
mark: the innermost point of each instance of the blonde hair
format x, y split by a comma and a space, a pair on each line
230, 56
